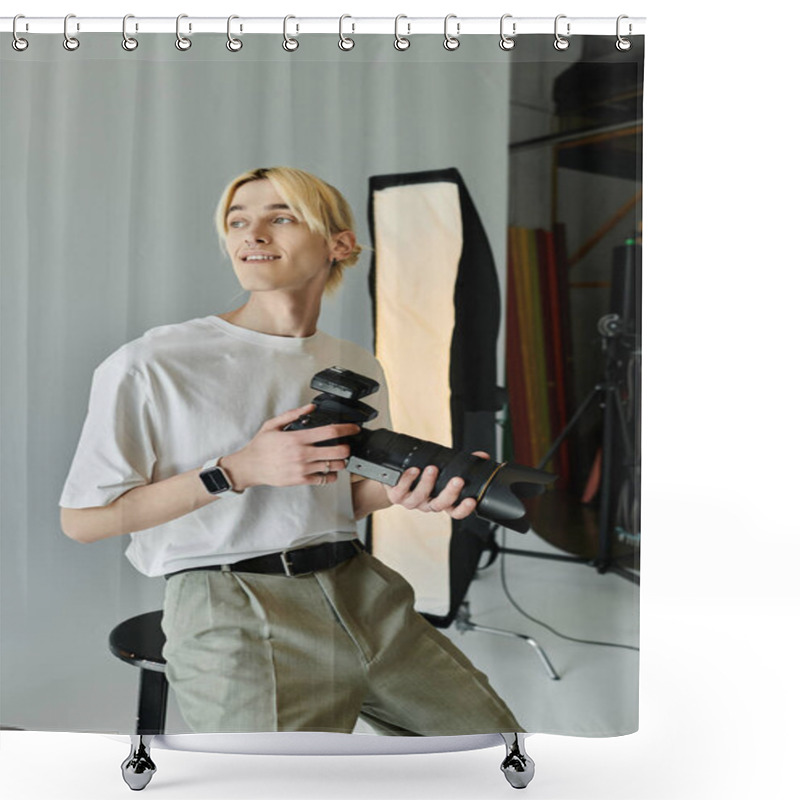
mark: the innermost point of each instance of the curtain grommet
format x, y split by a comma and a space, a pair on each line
18, 43
290, 44
70, 43
560, 43
400, 42
233, 44
451, 43
623, 44
345, 43
129, 43
507, 42
181, 41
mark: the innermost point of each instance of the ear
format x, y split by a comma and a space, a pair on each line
341, 245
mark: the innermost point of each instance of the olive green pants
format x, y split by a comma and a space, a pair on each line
248, 652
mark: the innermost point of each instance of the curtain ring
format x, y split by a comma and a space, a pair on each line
233, 44
18, 43
70, 42
128, 42
560, 42
507, 42
181, 42
622, 43
344, 42
401, 43
451, 42
290, 44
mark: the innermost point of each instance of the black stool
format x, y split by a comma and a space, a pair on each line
139, 641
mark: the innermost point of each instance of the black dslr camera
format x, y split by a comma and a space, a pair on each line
384, 455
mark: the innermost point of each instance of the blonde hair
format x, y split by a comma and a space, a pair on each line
322, 207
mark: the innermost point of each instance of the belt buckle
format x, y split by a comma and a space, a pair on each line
288, 569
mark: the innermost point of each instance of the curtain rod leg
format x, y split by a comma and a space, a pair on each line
138, 768
518, 766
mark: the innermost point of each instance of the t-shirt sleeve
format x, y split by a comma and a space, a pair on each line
115, 451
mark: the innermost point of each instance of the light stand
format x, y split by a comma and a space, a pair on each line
618, 395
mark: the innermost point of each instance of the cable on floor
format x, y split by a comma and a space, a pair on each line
552, 630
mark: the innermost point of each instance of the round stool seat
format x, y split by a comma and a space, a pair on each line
139, 641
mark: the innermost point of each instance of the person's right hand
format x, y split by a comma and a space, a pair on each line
275, 457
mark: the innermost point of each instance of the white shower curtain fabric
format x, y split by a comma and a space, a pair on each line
113, 163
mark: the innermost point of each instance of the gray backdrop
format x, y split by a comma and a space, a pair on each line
112, 164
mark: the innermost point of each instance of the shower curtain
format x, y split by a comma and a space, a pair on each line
113, 162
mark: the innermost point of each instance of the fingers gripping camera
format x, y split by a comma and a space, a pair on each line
384, 455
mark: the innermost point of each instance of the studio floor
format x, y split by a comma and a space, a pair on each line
597, 690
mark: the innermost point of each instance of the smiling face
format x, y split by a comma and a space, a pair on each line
270, 245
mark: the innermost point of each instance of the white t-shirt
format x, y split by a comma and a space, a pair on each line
182, 394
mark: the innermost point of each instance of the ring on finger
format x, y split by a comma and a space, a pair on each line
322, 480
327, 467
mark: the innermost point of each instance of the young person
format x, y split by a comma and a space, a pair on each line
275, 616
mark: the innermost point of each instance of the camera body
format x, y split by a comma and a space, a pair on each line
384, 455
340, 400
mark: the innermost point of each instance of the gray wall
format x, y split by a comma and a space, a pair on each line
112, 164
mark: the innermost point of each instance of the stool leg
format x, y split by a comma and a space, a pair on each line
518, 766
138, 768
153, 687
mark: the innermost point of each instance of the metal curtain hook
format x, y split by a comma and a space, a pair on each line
560, 42
451, 42
344, 42
128, 42
622, 43
181, 42
507, 42
290, 44
18, 43
70, 42
400, 43
233, 44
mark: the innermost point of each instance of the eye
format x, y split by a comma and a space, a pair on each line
236, 223
282, 220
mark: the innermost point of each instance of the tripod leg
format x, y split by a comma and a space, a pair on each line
552, 674
464, 623
518, 766
587, 401
544, 659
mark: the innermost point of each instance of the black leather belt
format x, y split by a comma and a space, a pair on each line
291, 563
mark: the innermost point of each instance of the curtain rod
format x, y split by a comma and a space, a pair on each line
348, 25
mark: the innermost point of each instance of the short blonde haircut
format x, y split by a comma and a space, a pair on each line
322, 207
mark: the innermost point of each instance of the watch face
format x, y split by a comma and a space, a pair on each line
215, 480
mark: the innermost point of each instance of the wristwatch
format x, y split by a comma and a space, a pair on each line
215, 479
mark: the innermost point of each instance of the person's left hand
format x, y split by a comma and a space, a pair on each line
419, 498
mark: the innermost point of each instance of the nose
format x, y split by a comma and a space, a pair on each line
257, 234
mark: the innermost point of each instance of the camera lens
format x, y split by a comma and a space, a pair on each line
499, 488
